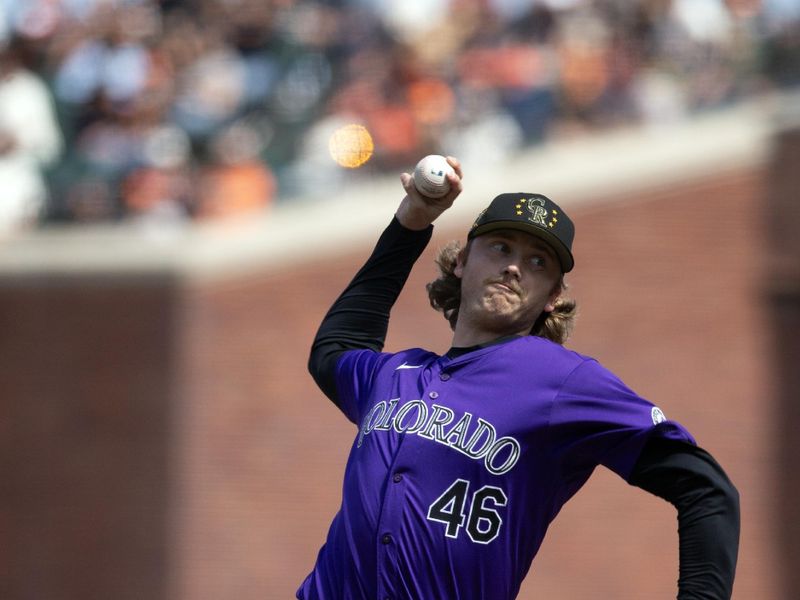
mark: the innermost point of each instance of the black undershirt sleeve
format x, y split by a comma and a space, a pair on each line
359, 318
708, 514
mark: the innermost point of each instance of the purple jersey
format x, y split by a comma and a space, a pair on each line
460, 465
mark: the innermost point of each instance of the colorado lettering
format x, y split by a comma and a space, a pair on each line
438, 423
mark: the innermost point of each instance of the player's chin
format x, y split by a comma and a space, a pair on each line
502, 302
510, 311
501, 313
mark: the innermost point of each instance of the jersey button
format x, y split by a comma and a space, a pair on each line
386, 539
397, 478
444, 376
434, 395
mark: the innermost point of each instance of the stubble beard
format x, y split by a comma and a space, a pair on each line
498, 311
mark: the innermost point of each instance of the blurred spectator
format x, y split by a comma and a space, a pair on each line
584, 50
211, 89
235, 182
113, 63
781, 28
30, 140
160, 189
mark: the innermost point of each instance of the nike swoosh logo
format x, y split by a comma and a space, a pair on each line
407, 366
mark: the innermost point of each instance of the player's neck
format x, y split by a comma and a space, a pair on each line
457, 351
465, 336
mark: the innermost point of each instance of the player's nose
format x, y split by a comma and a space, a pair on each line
512, 269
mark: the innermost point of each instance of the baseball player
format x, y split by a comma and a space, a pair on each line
461, 461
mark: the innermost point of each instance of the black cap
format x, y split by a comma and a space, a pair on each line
534, 214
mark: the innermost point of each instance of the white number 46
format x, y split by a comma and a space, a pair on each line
483, 520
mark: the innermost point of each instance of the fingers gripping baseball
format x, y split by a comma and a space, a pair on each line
417, 210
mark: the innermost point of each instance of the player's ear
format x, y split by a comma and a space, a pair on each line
461, 259
554, 295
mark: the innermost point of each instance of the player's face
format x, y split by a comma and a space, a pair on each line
508, 278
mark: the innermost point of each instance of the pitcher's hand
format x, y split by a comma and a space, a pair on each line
417, 211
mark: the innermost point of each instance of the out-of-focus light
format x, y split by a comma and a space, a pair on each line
351, 146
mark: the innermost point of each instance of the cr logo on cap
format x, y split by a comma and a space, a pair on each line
538, 211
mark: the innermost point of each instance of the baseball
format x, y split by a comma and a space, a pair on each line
430, 176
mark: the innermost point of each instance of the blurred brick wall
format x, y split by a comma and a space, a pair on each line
783, 285
85, 425
165, 441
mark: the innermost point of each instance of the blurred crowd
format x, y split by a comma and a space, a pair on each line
178, 110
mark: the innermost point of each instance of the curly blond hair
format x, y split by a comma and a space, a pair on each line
444, 294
